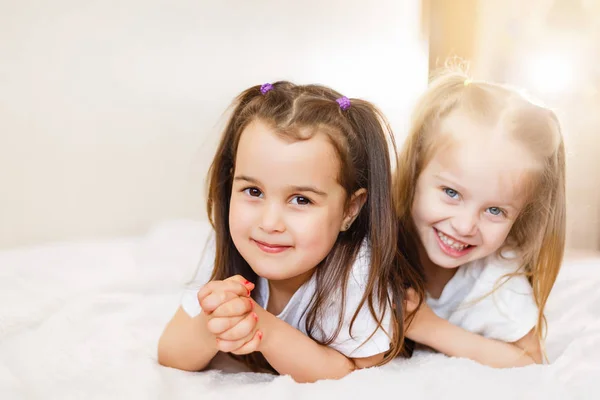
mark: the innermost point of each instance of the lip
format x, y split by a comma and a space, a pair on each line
449, 251
271, 248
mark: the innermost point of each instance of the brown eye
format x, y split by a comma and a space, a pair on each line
301, 201
252, 191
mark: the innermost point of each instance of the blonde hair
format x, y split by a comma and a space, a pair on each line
539, 231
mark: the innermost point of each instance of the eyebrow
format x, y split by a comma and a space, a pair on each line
293, 188
247, 179
309, 189
450, 181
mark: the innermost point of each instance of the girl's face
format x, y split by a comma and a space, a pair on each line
287, 207
470, 193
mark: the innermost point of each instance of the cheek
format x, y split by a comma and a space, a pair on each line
319, 223
240, 216
317, 229
426, 206
496, 235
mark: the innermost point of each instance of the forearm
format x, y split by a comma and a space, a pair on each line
457, 342
293, 353
186, 343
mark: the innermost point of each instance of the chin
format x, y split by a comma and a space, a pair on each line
444, 261
268, 272
274, 277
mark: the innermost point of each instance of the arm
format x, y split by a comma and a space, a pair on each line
186, 343
228, 324
293, 353
439, 334
288, 350
189, 343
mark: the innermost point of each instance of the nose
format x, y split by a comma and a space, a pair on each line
466, 223
272, 218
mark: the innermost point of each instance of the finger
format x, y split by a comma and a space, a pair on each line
234, 307
222, 324
242, 280
242, 329
225, 286
251, 346
229, 346
207, 289
214, 300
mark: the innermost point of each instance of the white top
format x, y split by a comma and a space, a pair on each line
481, 300
353, 346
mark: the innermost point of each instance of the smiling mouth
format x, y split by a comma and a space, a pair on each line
455, 244
271, 248
451, 246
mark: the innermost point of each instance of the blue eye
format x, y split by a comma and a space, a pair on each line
253, 192
495, 211
451, 193
301, 201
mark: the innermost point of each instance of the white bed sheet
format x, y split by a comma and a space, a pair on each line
82, 320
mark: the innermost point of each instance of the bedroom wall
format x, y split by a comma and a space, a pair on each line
110, 110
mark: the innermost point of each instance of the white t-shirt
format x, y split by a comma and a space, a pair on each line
507, 314
294, 313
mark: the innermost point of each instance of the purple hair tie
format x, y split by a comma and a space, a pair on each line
265, 88
344, 103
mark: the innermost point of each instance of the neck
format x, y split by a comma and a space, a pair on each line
280, 292
436, 277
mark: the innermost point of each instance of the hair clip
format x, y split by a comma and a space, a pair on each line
344, 103
266, 87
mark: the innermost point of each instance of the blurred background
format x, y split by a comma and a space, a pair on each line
110, 111
550, 49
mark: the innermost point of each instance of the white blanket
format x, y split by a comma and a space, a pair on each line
81, 320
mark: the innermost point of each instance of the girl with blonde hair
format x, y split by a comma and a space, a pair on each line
481, 184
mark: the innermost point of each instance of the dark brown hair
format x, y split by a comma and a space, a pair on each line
363, 142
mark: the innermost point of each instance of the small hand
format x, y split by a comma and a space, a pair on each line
233, 323
215, 293
254, 340
241, 334
230, 316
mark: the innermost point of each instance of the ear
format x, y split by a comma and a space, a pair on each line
357, 201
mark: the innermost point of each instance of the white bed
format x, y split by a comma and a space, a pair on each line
81, 320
